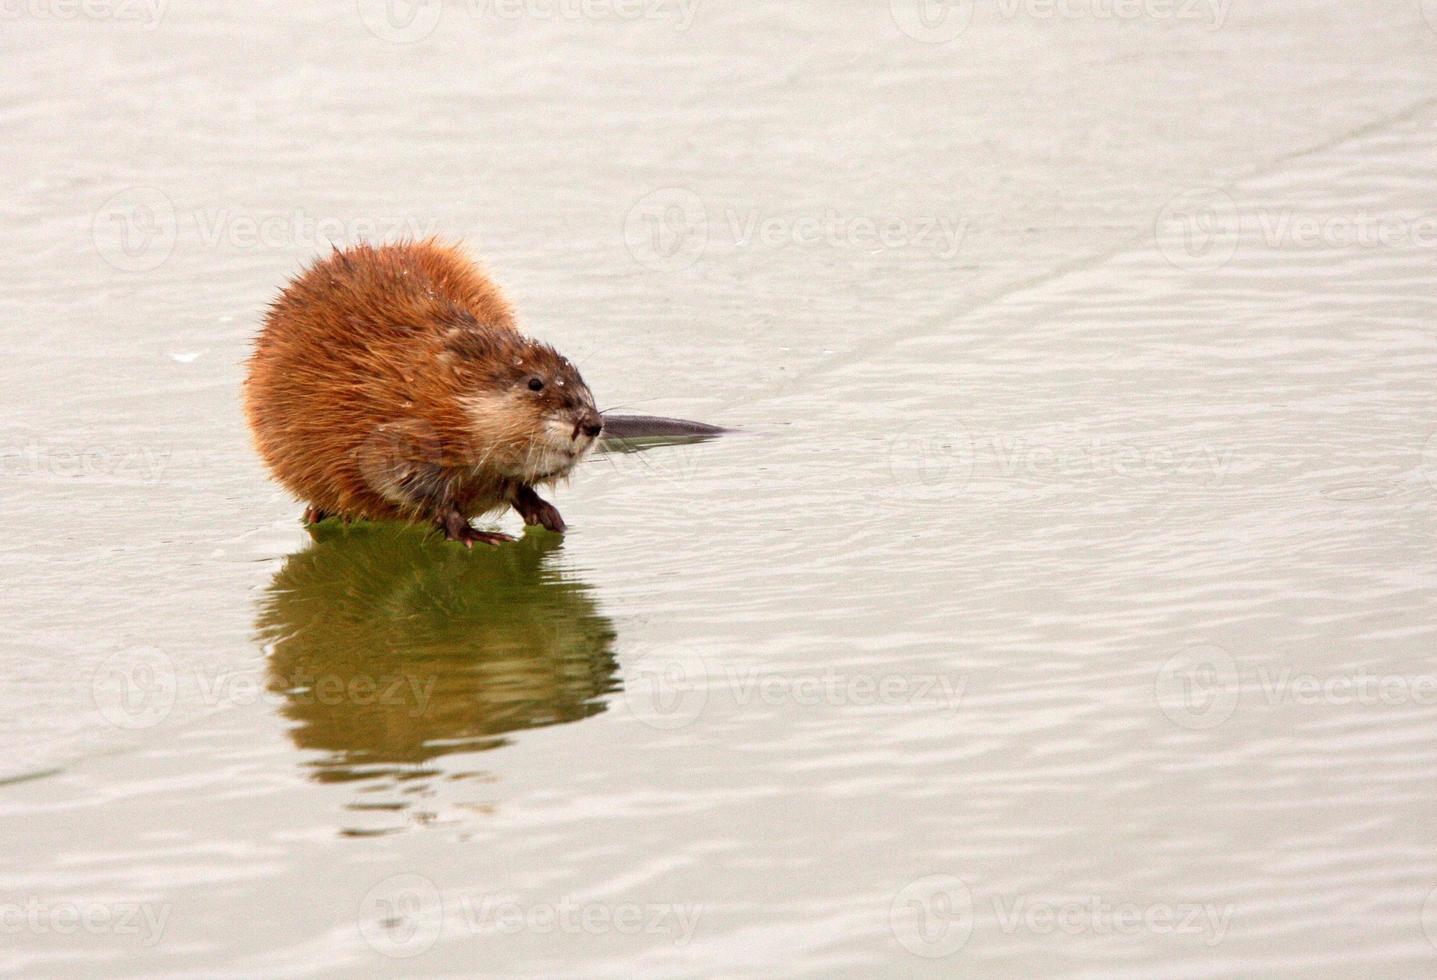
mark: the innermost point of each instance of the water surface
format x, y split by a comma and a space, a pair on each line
1065, 608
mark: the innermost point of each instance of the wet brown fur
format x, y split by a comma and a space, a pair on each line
390, 382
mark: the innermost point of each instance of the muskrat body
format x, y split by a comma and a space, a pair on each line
391, 382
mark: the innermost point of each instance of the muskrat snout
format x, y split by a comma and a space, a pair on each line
590, 423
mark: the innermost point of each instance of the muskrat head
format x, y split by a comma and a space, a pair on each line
531, 416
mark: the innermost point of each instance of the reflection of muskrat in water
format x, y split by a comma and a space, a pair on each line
393, 650
391, 382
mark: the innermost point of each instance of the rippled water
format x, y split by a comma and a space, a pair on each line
1064, 608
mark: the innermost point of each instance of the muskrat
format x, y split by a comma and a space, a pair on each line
391, 382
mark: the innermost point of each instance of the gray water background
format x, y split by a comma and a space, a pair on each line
1065, 609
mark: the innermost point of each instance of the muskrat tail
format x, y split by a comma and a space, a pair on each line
653, 426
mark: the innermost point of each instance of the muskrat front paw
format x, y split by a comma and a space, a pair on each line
547, 515
536, 510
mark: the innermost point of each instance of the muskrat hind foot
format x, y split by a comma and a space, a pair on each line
313, 515
536, 510
457, 528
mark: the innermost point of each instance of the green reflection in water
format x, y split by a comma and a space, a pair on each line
392, 648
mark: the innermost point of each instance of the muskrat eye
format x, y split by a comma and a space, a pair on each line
535, 384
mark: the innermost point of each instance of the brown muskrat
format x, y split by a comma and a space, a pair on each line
391, 382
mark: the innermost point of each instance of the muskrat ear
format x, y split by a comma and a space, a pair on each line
470, 343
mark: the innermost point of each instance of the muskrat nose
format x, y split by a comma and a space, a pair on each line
592, 426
